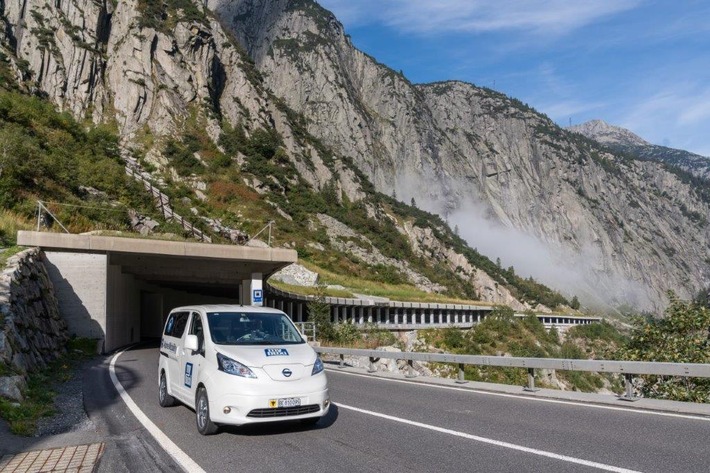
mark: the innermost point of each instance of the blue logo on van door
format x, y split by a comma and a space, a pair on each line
275, 352
188, 375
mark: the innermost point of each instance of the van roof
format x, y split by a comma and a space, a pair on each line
226, 308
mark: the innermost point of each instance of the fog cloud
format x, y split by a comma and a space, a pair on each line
583, 271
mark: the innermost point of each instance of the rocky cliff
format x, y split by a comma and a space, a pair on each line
165, 74
617, 229
610, 228
623, 140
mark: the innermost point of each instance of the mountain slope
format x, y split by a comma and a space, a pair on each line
557, 206
194, 117
621, 139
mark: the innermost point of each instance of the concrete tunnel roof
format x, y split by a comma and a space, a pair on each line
170, 263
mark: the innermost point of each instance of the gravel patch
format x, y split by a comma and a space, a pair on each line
69, 404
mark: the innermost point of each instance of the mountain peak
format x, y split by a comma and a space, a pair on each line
605, 133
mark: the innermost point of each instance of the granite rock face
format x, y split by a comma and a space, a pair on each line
625, 141
619, 230
105, 60
548, 201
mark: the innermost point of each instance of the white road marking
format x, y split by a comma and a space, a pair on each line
529, 398
498, 443
182, 458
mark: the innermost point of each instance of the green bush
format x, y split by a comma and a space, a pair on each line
346, 333
379, 336
571, 351
597, 331
182, 158
682, 336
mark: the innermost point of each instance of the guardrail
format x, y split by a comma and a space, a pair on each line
627, 368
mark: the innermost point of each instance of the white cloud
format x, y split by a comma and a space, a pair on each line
681, 111
349, 12
541, 17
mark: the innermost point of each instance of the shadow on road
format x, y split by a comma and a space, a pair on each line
285, 427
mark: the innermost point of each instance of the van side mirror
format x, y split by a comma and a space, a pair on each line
191, 343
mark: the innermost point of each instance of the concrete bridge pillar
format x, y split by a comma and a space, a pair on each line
253, 290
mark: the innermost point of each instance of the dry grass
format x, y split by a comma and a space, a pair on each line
310, 291
10, 224
396, 292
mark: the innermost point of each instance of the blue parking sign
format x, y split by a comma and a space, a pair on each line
257, 296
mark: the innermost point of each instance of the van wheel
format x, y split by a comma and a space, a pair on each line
202, 411
165, 399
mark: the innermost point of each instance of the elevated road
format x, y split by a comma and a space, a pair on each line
395, 426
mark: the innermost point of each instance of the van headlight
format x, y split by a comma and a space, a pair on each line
317, 367
229, 366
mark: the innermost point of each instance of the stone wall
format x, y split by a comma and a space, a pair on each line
32, 333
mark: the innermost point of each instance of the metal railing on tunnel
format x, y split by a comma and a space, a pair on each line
627, 368
307, 329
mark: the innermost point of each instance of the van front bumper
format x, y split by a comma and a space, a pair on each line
227, 407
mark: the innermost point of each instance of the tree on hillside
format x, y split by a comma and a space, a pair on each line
575, 303
703, 297
319, 313
682, 336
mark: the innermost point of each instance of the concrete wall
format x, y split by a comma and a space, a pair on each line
79, 281
123, 310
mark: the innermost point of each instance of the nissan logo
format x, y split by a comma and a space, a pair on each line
287, 372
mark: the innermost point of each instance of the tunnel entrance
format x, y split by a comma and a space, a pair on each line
152, 314
123, 288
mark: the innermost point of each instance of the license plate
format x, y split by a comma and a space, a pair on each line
285, 402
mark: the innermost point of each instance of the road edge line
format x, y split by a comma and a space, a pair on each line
497, 443
175, 452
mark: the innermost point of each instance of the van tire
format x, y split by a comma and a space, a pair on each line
205, 426
165, 399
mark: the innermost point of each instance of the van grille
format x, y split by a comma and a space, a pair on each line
284, 411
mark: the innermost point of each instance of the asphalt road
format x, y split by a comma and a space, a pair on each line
476, 432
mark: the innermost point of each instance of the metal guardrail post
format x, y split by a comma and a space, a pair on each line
342, 361
371, 368
461, 379
629, 394
531, 381
411, 373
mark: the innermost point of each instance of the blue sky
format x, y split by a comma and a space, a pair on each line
640, 64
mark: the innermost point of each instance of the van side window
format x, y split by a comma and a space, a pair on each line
196, 329
176, 324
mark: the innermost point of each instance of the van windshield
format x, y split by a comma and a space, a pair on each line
252, 328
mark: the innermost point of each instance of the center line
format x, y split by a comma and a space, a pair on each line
512, 446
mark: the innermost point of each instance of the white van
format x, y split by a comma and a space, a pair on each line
239, 365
